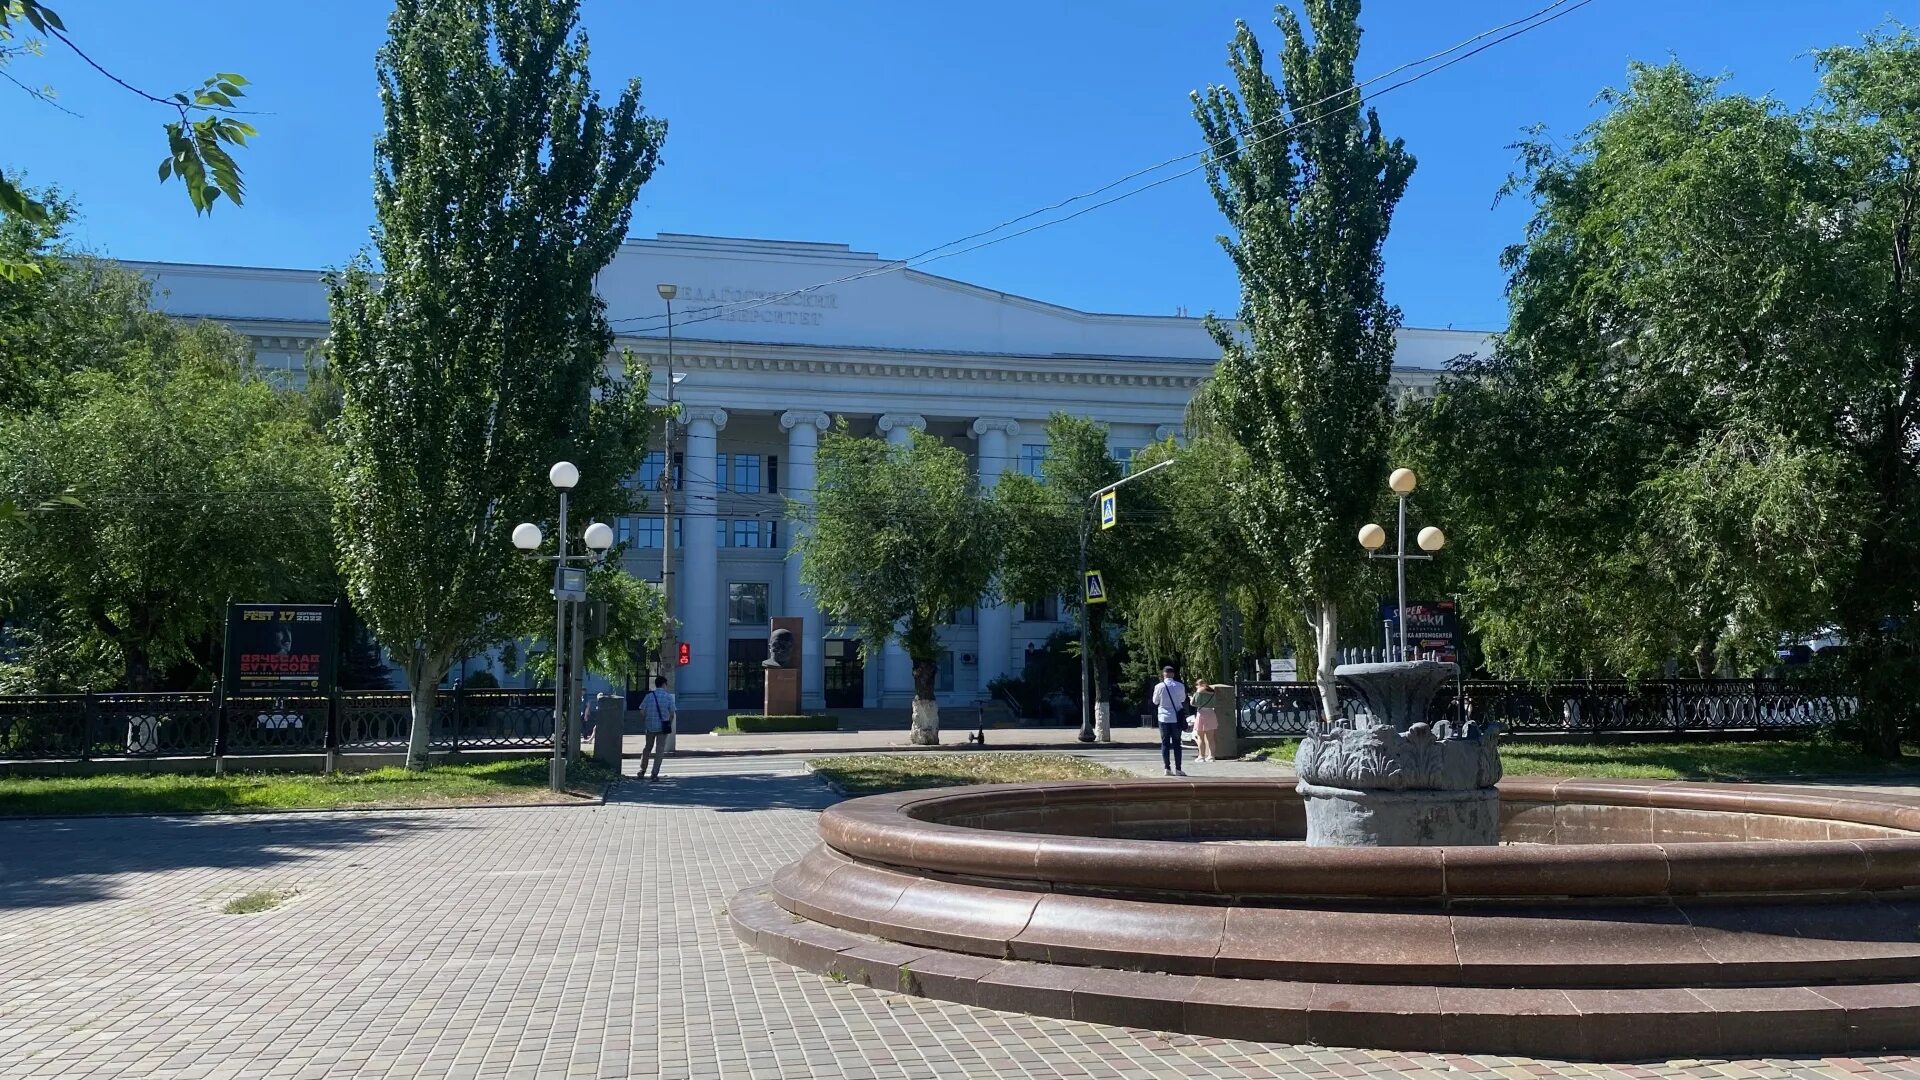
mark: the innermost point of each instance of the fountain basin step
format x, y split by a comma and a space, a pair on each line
1608, 1024
1770, 919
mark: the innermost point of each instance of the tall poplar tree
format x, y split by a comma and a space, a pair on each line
473, 354
1308, 186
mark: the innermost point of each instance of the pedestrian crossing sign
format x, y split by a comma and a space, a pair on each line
1096, 589
1109, 509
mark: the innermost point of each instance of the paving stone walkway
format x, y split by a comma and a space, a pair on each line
528, 942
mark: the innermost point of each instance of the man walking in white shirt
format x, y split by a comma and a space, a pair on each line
1168, 696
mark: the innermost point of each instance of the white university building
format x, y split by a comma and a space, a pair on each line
889, 352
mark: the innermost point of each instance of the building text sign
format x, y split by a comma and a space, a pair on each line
741, 305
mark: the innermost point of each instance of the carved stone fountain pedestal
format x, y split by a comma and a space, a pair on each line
1391, 778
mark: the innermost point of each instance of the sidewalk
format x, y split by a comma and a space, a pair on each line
846, 742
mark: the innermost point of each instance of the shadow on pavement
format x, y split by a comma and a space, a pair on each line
733, 792
55, 862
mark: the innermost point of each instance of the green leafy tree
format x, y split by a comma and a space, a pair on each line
207, 123
1308, 186
635, 624
1718, 295
186, 480
477, 356
1041, 522
1200, 598
899, 537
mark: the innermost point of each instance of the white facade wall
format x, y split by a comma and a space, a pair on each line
879, 348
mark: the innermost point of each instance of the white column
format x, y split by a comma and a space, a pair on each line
996, 617
896, 685
803, 440
699, 604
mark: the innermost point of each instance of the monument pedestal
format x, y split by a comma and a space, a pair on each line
783, 672
783, 692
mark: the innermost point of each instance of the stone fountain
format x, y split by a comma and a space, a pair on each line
1562, 918
1390, 776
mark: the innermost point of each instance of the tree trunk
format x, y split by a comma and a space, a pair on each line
1879, 657
1097, 673
926, 711
1326, 650
140, 678
1705, 659
1880, 676
426, 688
1102, 707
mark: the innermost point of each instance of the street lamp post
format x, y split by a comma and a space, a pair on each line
670, 633
1373, 537
598, 538
1087, 733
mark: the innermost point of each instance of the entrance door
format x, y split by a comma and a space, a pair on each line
746, 679
846, 681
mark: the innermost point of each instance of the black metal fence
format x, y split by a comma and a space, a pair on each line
1580, 708
97, 726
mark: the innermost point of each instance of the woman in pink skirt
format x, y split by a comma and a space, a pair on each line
1205, 723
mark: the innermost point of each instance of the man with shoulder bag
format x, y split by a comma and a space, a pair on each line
657, 714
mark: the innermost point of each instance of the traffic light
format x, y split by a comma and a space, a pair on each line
686, 654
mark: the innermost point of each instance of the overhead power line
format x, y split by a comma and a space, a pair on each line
1526, 24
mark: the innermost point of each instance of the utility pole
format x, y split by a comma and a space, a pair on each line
1086, 658
670, 635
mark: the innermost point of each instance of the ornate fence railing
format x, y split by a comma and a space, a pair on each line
1584, 707
201, 724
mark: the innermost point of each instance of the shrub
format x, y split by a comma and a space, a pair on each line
756, 724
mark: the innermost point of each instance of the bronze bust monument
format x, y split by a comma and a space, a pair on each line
779, 649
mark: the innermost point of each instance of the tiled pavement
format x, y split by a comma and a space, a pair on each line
526, 942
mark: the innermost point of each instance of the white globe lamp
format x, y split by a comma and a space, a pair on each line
599, 536
563, 475
526, 536
1372, 536
1431, 539
1402, 481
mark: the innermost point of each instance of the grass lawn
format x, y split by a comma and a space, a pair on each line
1673, 760
871, 774
520, 780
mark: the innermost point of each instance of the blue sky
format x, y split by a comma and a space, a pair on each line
897, 126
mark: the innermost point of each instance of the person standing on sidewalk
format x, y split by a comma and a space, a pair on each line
657, 713
1169, 696
1205, 721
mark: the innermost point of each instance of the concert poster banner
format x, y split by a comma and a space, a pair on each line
1433, 628
281, 650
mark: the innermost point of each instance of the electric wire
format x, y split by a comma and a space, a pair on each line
1543, 16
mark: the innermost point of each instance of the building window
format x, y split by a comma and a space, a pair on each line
773, 474
623, 534
1047, 610
650, 467
720, 533
746, 603
943, 681
961, 617
1123, 457
773, 534
746, 474
645, 531
1033, 459
746, 533
678, 541
679, 471
720, 471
